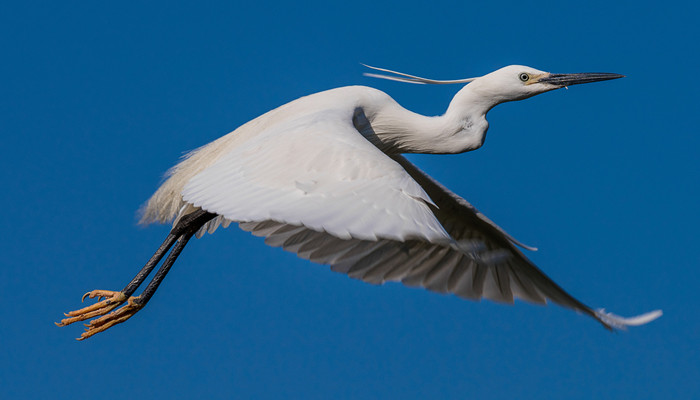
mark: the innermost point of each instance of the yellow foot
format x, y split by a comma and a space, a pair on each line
115, 317
111, 301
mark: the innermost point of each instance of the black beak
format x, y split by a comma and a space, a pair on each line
575, 79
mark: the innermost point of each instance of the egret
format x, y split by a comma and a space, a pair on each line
323, 177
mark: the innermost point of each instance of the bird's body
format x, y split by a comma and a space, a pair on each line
312, 148
373, 114
323, 177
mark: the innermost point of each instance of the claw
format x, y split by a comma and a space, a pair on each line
111, 301
104, 310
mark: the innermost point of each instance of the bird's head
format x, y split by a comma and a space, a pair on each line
514, 82
518, 82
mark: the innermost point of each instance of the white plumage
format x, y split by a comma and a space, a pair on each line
323, 177
341, 184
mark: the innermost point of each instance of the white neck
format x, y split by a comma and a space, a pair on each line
462, 128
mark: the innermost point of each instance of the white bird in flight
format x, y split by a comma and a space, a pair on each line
323, 177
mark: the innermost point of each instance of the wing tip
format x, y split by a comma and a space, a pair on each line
613, 321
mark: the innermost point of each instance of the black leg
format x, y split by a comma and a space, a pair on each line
188, 225
164, 269
178, 236
146, 270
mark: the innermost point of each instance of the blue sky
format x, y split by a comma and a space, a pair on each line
97, 101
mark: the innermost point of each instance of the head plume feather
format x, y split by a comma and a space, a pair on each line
401, 77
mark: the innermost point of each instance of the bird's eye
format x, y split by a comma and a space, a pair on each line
524, 77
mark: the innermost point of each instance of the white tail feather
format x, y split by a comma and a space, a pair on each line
619, 322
